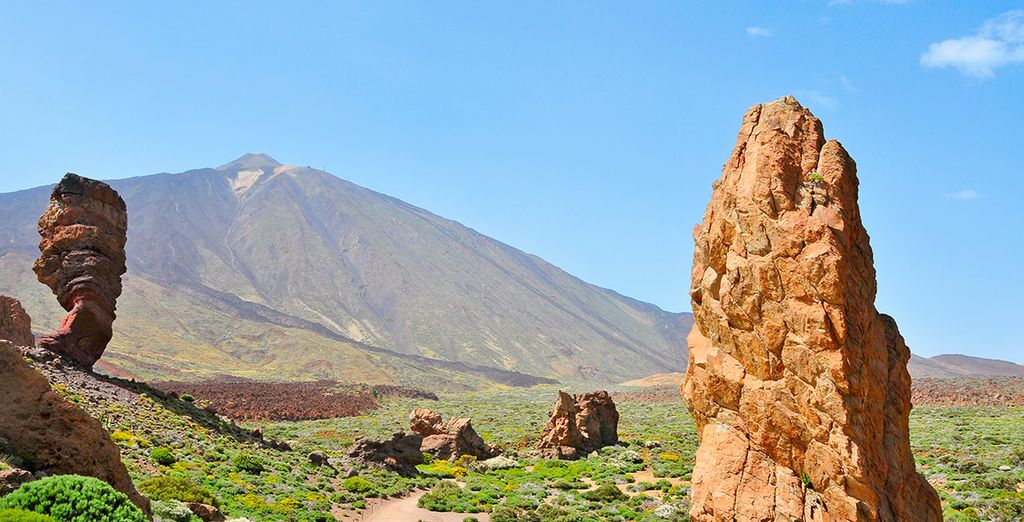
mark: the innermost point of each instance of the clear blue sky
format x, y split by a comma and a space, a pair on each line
585, 132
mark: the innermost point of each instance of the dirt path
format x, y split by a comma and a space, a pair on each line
404, 510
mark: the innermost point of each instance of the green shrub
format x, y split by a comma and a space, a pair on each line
358, 485
72, 498
248, 462
172, 511
176, 488
604, 493
162, 456
19, 515
187, 397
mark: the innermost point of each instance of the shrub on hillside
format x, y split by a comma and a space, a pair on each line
162, 456
73, 498
172, 511
248, 462
176, 488
604, 493
358, 485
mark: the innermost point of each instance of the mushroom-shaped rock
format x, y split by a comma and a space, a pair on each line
84, 230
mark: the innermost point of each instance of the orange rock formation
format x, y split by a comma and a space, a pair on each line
798, 385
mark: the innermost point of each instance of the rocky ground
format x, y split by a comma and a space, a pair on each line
249, 400
929, 391
969, 391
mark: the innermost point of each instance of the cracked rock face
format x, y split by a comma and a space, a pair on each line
15, 324
449, 440
798, 386
57, 437
580, 424
84, 230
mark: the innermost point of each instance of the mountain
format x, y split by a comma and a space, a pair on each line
263, 270
955, 365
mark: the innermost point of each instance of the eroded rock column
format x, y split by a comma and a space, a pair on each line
798, 385
84, 230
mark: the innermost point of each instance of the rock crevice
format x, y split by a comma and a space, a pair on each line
798, 386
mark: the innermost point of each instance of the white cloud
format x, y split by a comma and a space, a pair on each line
964, 194
759, 31
818, 99
999, 42
847, 84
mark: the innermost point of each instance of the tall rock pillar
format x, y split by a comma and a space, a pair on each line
84, 230
798, 386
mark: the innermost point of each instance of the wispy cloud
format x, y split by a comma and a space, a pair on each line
756, 31
999, 42
847, 85
965, 194
818, 99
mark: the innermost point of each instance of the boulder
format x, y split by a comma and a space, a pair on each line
318, 458
798, 386
12, 479
449, 441
15, 324
56, 437
580, 424
82, 259
205, 512
400, 454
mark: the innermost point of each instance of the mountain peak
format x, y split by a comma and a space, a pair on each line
250, 161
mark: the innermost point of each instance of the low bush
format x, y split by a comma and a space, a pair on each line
358, 485
20, 515
248, 462
73, 498
604, 493
172, 511
176, 488
163, 456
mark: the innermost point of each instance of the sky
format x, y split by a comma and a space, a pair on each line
588, 133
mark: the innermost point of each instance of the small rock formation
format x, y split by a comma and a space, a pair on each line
449, 440
57, 438
82, 259
318, 458
205, 512
12, 479
798, 386
15, 324
400, 454
580, 424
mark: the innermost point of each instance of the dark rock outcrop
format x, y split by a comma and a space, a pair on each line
400, 454
798, 386
15, 324
580, 424
11, 479
82, 259
56, 437
449, 440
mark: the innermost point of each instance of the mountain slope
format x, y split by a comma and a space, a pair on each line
254, 264
966, 365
